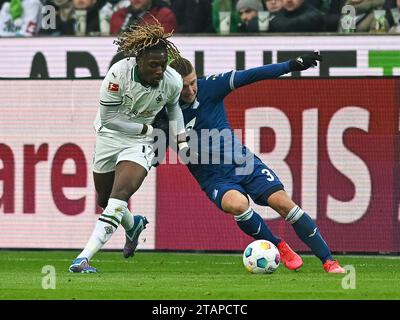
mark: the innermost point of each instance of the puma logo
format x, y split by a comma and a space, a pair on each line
258, 231
215, 193
313, 234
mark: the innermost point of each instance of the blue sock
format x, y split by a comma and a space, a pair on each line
252, 224
309, 233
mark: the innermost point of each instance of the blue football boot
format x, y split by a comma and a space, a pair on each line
81, 265
132, 236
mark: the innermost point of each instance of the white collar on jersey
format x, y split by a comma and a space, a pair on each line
194, 105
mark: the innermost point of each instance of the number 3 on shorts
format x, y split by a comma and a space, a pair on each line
268, 173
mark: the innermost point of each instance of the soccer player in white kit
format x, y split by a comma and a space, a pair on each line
132, 93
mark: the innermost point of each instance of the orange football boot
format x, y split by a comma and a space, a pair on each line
289, 258
333, 266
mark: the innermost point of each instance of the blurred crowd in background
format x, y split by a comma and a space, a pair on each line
110, 17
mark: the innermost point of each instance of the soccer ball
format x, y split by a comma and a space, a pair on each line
261, 256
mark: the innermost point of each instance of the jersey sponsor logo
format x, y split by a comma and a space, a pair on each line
113, 87
148, 113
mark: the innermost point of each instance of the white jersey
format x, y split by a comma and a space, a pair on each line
130, 101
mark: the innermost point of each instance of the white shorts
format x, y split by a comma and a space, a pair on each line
112, 148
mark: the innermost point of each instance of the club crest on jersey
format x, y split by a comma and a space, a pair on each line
113, 87
159, 98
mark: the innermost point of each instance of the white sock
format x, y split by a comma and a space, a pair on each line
105, 227
245, 215
294, 215
127, 220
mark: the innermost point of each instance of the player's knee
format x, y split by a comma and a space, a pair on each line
236, 206
234, 202
281, 203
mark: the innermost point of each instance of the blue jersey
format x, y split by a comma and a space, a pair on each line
220, 150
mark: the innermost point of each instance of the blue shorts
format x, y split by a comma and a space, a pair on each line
259, 185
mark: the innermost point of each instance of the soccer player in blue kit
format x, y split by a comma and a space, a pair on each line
202, 103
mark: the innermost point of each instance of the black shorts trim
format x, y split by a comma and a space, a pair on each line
267, 193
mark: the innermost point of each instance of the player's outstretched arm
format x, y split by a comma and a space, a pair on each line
275, 70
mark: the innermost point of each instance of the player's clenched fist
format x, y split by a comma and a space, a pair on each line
305, 61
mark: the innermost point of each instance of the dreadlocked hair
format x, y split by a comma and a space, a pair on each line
137, 39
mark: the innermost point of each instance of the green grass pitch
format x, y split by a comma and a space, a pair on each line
191, 276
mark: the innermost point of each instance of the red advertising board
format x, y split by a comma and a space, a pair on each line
333, 142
